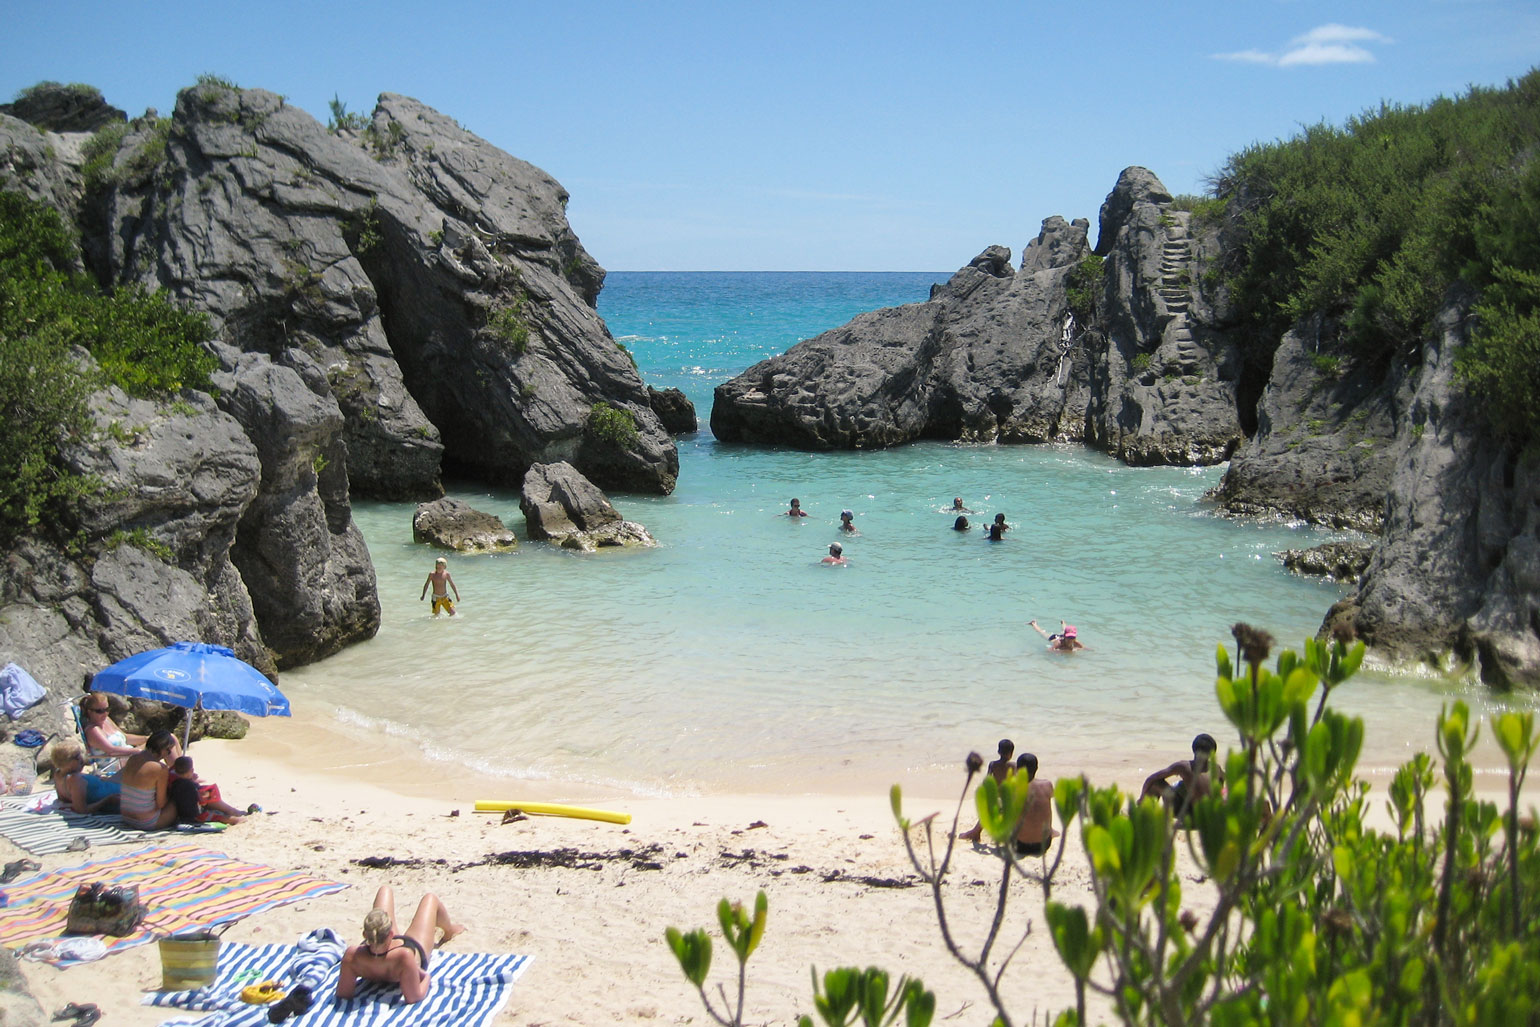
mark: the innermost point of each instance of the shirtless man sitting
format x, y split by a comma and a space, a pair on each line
1192, 778
997, 770
1036, 831
392, 958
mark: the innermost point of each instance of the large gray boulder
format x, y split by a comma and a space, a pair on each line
432, 277
55, 107
451, 524
1455, 579
30, 165
562, 506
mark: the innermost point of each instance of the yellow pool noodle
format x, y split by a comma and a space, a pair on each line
552, 809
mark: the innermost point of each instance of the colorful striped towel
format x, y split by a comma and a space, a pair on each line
52, 830
468, 989
181, 887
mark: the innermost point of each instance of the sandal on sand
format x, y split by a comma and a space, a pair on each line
262, 994
298, 1002
253, 809
84, 1014
16, 869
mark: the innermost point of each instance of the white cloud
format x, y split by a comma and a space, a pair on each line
1325, 44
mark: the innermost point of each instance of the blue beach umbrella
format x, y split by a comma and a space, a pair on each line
197, 676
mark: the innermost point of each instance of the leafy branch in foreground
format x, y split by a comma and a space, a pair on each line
1313, 914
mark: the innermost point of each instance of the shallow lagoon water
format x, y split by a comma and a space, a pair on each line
730, 659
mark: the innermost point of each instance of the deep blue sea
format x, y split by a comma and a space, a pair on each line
730, 659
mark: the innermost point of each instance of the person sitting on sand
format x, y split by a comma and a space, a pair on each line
836, 557
1036, 830
996, 531
796, 509
847, 521
144, 803
961, 524
997, 770
1065, 640
442, 582
199, 803
103, 737
1192, 778
391, 958
81, 792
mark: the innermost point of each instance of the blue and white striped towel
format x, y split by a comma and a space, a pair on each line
468, 988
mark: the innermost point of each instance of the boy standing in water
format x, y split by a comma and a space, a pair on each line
442, 582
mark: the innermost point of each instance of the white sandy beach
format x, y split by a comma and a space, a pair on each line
596, 929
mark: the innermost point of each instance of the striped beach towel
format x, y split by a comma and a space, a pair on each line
181, 887
44, 834
468, 989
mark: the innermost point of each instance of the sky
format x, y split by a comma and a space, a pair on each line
819, 136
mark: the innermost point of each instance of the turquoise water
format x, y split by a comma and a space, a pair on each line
729, 658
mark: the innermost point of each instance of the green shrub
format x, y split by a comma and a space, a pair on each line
141, 341
99, 152
1141, 362
1317, 916
509, 324
141, 538
1326, 365
1083, 285
1374, 221
341, 120
614, 425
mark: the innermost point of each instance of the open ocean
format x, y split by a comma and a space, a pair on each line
729, 659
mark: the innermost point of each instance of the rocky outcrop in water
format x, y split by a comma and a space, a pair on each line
994, 355
451, 524
980, 360
562, 506
1339, 561
674, 410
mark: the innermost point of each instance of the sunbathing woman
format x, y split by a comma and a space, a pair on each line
392, 958
103, 737
81, 792
146, 803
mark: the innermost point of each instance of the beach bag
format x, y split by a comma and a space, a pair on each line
188, 959
104, 909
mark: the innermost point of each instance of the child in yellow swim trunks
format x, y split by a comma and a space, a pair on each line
442, 582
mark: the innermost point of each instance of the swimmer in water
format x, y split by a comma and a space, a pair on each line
996, 531
836, 557
957, 506
796, 509
847, 521
961, 524
1064, 640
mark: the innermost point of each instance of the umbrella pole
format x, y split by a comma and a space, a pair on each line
187, 725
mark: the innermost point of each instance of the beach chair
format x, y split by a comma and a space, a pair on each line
101, 766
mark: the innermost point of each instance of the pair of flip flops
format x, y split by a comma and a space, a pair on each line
83, 1014
296, 1002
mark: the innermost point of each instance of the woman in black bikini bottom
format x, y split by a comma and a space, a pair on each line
376, 959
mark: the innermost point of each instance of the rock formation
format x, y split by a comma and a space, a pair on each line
1455, 579
388, 299
674, 409
1339, 561
451, 524
433, 277
561, 505
994, 355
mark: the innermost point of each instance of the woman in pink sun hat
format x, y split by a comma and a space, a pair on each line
1065, 640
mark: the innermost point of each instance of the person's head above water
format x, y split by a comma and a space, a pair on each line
1069, 632
795, 503
835, 549
847, 516
957, 503
961, 524
1000, 518
441, 562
